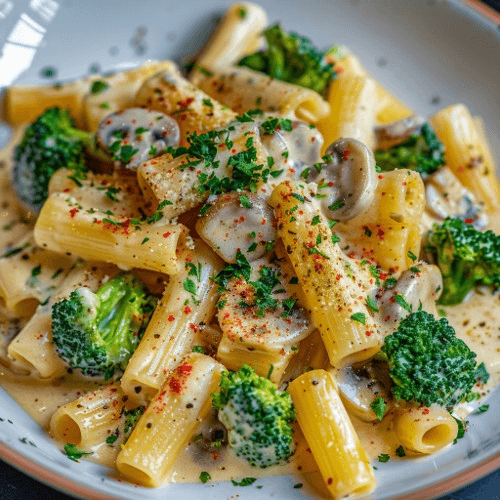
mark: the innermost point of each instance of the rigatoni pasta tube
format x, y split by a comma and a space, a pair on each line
424, 429
388, 107
194, 111
32, 349
352, 102
348, 331
333, 441
170, 420
243, 89
172, 329
38, 272
65, 226
466, 154
90, 419
390, 228
237, 35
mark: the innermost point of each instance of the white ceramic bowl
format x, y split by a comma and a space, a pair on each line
430, 53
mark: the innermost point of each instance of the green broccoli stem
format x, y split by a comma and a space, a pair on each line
86, 138
458, 281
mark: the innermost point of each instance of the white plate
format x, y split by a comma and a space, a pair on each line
430, 54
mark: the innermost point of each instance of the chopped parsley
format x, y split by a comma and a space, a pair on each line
384, 457
372, 304
246, 481
73, 453
360, 317
98, 86
378, 405
205, 477
400, 451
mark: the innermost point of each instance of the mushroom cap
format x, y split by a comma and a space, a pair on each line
358, 388
135, 135
347, 179
238, 221
302, 144
419, 289
391, 134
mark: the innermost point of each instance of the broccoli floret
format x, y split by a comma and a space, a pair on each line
49, 143
422, 152
256, 416
291, 58
429, 364
467, 258
98, 332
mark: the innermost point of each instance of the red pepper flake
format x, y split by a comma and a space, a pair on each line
179, 377
187, 310
166, 235
469, 221
171, 318
338, 277
73, 212
426, 411
346, 153
184, 104
193, 327
368, 333
329, 481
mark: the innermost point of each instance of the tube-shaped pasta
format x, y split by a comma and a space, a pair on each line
170, 420
341, 459
352, 102
242, 89
388, 107
424, 430
118, 93
170, 93
172, 329
32, 349
467, 153
117, 193
346, 326
25, 103
483, 139
237, 35
390, 228
90, 419
37, 272
65, 226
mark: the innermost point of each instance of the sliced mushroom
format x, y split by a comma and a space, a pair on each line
238, 221
418, 289
347, 181
260, 337
358, 388
295, 148
391, 134
447, 197
135, 135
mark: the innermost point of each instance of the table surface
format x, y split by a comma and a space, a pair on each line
15, 485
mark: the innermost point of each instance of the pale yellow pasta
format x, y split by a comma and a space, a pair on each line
170, 420
424, 430
388, 107
90, 419
390, 228
25, 103
237, 35
243, 89
119, 194
65, 226
172, 94
118, 93
332, 297
467, 153
333, 441
32, 349
483, 139
352, 102
172, 329
30, 275
178, 179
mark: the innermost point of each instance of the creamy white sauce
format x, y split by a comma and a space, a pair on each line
475, 321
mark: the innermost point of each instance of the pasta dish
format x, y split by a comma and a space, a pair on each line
261, 263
